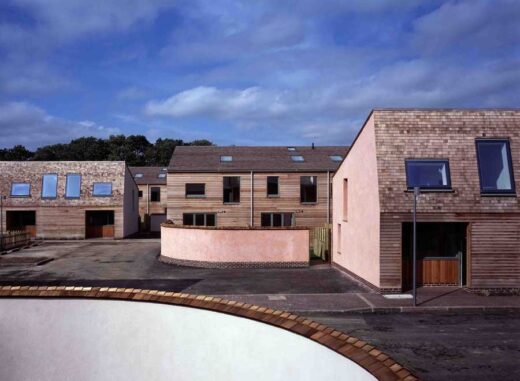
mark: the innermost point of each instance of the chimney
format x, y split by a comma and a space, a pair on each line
312, 145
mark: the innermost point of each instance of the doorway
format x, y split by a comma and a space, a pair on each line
441, 254
21, 220
99, 224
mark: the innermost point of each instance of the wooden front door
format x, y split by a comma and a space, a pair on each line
441, 254
99, 224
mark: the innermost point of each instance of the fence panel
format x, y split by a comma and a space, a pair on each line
13, 239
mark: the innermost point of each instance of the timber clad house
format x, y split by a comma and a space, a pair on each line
151, 182
467, 166
69, 199
251, 186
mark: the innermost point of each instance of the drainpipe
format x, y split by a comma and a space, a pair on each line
251, 222
328, 197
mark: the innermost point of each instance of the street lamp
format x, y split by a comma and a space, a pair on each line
416, 193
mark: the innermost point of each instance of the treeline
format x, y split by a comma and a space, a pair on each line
136, 150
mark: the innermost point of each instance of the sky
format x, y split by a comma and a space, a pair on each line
245, 72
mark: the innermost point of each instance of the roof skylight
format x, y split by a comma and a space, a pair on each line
291, 149
297, 158
226, 159
336, 157
138, 175
161, 175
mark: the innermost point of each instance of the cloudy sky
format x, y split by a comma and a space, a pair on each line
246, 72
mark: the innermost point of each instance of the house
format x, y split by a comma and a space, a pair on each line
69, 199
151, 182
467, 165
251, 186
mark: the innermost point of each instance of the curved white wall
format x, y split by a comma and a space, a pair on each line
69, 339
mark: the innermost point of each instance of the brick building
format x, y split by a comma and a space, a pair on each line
69, 199
153, 196
467, 165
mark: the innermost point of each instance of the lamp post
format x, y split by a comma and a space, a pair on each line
416, 193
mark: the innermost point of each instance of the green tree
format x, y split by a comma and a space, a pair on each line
17, 153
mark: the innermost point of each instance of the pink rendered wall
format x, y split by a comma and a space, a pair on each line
360, 231
235, 245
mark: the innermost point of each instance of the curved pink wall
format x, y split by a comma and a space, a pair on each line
269, 246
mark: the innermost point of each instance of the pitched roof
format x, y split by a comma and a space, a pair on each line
150, 175
261, 159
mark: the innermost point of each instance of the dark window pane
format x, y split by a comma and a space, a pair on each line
428, 174
308, 189
195, 189
287, 219
272, 185
21, 189
50, 186
199, 219
140, 194
265, 219
495, 167
231, 189
187, 219
277, 219
73, 185
102, 189
155, 194
210, 220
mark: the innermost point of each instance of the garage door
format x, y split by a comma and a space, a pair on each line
155, 222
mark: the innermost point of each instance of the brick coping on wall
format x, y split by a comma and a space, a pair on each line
174, 226
380, 365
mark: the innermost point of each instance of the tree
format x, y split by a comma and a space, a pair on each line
17, 153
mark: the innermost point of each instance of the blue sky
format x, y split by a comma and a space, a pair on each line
245, 72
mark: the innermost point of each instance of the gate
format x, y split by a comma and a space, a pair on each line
320, 242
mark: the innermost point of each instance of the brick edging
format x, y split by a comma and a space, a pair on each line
230, 265
380, 365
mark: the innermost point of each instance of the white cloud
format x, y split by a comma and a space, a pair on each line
29, 125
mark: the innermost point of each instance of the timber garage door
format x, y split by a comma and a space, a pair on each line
99, 224
155, 222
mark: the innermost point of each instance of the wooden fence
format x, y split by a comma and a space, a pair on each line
13, 239
320, 237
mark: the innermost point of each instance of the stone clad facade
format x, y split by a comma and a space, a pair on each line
491, 257
63, 217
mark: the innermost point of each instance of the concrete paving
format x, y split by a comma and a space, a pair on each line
457, 336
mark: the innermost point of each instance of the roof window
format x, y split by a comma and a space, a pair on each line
138, 175
226, 159
336, 158
161, 175
297, 158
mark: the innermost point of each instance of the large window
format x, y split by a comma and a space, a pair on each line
73, 185
428, 174
195, 190
155, 194
50, 186
102, 189
308, 189
272, 186
20, 190
199, 219
277, 219
231, 189
495, 166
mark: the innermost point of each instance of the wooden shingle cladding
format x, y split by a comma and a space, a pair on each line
63, 217
493, 231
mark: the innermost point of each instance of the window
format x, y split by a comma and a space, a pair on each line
231, 189
297, 158
138, 175
195, 190
345, 199
495, 166
428, 174
161, 175
226, 159
20, 190
336, 158
199, 219
102, 189
155, 194
133, 200
276, 219
339, 239
140, 194
73, 185
291, 149
50, 186
308, 189
272, 186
